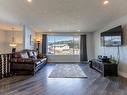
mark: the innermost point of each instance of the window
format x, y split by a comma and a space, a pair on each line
63, 45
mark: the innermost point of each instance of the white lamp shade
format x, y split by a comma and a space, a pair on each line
12, 45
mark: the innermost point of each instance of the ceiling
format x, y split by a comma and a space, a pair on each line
10, 27
62, 15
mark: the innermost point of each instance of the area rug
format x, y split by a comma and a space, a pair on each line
67, 71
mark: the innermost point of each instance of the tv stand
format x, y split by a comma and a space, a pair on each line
107, 69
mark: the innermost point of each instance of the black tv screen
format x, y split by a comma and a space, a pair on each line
112, 37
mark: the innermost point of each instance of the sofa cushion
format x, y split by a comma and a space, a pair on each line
17, 55
30, 53
35, 54
32, 57
24, 55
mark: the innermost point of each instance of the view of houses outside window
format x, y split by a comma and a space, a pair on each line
63, 45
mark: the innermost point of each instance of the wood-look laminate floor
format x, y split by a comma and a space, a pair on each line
40, 84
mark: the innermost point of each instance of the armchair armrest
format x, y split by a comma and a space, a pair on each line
40, 56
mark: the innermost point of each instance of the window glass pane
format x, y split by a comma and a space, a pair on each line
63, 45
108, 40
116, 40
76, 45
50, 45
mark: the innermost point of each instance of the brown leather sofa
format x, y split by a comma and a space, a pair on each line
26, 62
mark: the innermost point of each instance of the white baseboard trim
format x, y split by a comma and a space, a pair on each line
123, 74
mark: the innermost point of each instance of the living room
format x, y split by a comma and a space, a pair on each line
52, 48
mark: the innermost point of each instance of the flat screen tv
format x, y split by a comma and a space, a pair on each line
112, 37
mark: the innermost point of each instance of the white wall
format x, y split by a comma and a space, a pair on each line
18, 40
22, 39
72, 58
6, 38
99, 50
27, 40
63, 58
2, 41
90, 46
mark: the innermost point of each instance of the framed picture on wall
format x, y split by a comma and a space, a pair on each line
31, 40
